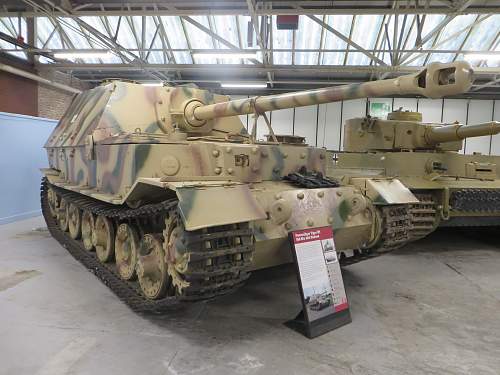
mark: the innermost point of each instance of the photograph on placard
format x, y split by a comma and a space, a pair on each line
319, 301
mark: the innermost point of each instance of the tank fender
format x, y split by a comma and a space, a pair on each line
383, 191
207, 206
204, 204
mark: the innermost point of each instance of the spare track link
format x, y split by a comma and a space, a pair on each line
310, 180
206, 281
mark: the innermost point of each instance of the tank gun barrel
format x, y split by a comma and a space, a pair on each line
457, 132
435, 81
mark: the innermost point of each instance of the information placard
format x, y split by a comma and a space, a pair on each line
324, 300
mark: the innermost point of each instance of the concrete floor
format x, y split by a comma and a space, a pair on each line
433, 308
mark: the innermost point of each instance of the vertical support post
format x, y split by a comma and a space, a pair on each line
253, 135
31, 38
270, 128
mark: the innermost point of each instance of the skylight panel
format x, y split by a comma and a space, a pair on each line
227, 28
307, 37
75, 35
366, 28
429, 24
449, 41
44, 30
483, 34
176, 39
282, 39
200, 39
341, 23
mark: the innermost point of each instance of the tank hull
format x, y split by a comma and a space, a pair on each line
165, 194
464, 188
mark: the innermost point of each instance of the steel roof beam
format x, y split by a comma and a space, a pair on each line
109, 42
24, 46
242, 68
464, 4
164, 41
259, 12
228, 51
440, 43
351, 29
153, 40
188, 42
462, 45
107, 27
221, 40
256, 27
493, 45
493, 82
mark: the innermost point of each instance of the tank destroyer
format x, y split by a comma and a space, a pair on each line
164, 194
453, 189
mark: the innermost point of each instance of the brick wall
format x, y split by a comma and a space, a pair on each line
52, 103
18, 94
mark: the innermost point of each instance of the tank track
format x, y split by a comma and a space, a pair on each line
424, 216
208, 279
395, 228
475, 200
396, 225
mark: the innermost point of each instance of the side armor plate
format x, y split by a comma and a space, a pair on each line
203, 207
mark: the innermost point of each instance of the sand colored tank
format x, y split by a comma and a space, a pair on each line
167, 197
453, 189
404, 131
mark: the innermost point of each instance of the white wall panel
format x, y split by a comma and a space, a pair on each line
430, 109
305, 123
22, 137
455, 110
495, 141
329, 125
408, 104
282, 121
479, 111
351, 109
262, 129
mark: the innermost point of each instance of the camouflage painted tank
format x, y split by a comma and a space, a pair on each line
180, 202
453, 189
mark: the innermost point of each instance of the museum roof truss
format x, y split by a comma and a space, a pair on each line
184, 41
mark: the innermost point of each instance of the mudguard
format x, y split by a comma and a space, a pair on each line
207, 206
384, 191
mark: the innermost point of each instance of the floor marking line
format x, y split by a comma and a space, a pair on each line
61, 362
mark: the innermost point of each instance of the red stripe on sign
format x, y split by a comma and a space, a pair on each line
341, 307
314, 234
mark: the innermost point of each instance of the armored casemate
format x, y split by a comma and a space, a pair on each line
452, 188
179, 201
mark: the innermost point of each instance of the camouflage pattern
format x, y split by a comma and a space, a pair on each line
127, 144
436, 81
103, 149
